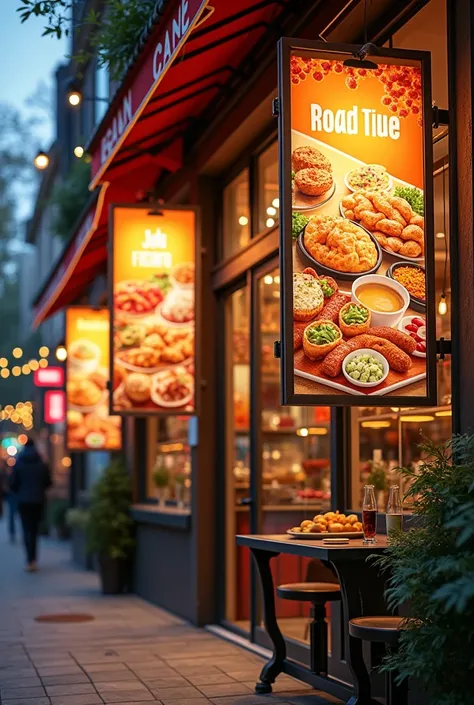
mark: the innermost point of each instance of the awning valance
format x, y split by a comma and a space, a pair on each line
189, 61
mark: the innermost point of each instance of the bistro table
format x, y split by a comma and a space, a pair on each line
362, 588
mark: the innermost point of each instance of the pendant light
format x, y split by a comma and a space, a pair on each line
442, 305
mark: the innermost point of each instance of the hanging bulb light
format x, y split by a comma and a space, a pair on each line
442, 306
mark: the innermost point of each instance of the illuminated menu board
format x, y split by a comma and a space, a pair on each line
89, 425
356, 228
153, 282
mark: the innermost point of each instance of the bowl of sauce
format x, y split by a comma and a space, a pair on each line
386, 299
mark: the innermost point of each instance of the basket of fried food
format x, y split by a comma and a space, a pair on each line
321, 525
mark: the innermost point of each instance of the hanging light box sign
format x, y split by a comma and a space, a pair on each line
153, 292
54, 406
89, 424
356, 229
49, 377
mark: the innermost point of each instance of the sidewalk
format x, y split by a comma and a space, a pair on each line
131, 653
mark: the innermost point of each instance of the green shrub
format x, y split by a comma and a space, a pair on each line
78, 518
109, 529
432, 569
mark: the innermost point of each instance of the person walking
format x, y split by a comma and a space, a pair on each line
30, 479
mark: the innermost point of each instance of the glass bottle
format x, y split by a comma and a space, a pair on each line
394, 515
369, 514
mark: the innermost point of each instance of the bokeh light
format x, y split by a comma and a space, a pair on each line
17, 352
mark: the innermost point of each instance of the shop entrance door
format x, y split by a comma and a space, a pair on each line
277, 460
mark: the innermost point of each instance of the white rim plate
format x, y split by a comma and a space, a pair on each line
401, 327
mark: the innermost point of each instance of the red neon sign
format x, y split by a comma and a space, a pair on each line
49, 377
55, 406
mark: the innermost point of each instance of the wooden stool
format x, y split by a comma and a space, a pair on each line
385, 630
318, 594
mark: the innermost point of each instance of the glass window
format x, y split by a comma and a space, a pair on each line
169, 466
268, 194
236, 214
237, 598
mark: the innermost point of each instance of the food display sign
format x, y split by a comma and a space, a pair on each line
356, 228
153, 283
89, 425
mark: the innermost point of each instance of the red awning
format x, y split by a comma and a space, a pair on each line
192, 55
159, 101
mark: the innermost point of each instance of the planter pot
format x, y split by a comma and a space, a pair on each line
179, 491
80, 554
162, 494
113, 575
63, 533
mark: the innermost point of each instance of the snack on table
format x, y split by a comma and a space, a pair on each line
339, 244
397, 359
307, 157
313, 182
320, 338
390, 219
308, 298
354, 319
330, 522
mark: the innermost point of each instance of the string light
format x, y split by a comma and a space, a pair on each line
43, 363
26, 369
3, 362
5, 373
17, 352
43, 351
33, 365
61, 353
16, 371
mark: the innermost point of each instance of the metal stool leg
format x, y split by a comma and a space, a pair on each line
396, 694
318, 639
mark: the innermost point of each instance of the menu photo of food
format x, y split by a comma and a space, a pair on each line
358, 229
153, 312
89, 425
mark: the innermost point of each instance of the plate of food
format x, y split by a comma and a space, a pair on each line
142, 359
415, 327
172, 388
329, 524
365, 368
183, 275
137, 299
412, 277
369, 177
339, 248
83, 355
177, 310
312, 180
86, 391
391, 220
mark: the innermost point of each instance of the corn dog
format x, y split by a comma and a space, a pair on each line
396, 358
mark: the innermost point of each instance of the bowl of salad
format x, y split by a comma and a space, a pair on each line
365, 368
369, 177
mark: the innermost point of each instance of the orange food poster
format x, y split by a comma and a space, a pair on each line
356, 227
153, 310
89, 425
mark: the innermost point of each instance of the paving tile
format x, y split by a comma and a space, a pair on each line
76, 700
22, 683
65, 680
120, 686
188, 701
284, 685
59, 670
315, 698
167, 682
197, 670
126, 696
252, 699
28, 701
224, 689
115, 666
210, 679
34, 691
18, 674
71, 689
111, 676
179, 693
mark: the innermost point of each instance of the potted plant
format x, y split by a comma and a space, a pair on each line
432, 569
77, 518
109, 528
59, 512
161, 478
179, 486
378, 478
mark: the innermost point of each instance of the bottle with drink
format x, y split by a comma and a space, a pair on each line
394, 515
369, 514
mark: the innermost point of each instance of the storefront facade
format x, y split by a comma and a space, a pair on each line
248, 464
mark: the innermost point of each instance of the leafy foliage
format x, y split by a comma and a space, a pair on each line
161, 476
432, 569
114, 34
69, 198
109, 529
377, 475
78, 518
